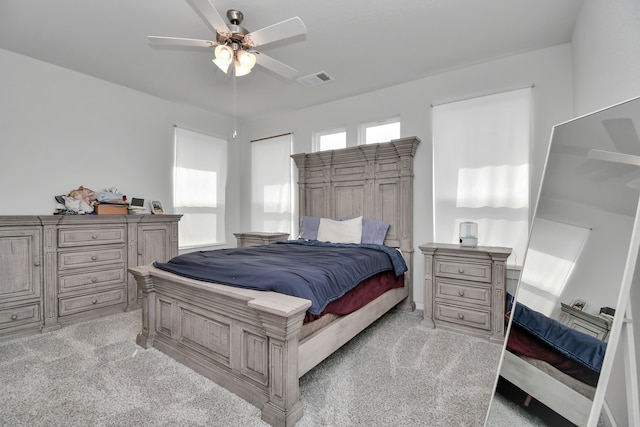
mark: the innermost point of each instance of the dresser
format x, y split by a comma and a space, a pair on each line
595, 326
465, 289
256, 238
56, 270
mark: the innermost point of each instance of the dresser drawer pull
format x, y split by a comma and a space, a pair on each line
94, 279
14, 317
93, 258
461, 270
460, 316
461, 293
94, 236
94, 301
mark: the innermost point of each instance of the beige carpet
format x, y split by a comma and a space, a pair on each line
394, 373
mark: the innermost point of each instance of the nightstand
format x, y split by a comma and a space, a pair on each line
465, 288
584, 322
257, 238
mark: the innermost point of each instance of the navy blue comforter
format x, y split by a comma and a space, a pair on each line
318, 271
577, 346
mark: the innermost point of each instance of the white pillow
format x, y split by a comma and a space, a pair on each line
347, 231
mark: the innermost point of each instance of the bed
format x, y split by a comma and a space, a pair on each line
553, 363
247, 340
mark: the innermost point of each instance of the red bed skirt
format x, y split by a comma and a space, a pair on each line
365, 292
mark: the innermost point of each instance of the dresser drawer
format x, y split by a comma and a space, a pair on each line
479, 319
91, 279
463, 292
69, 237
480, 272
91, 302
88, 258
19, 315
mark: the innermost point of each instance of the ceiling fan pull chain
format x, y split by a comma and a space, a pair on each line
235, 106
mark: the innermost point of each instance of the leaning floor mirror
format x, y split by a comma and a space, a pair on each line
571, 312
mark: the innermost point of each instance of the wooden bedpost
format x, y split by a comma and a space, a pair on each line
284, 407
147, 289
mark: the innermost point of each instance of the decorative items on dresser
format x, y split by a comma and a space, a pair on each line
58, 269
257, 238
465, 288
584, 322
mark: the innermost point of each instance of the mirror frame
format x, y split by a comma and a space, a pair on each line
630, 276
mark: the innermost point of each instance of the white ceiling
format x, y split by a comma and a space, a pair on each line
363, 44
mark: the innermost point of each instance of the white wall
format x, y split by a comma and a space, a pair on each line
60, 129
606, 46
549, 70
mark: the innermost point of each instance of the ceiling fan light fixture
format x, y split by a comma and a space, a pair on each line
244, 62
224, 56
246, 59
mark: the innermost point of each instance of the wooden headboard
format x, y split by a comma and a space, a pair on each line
375, 181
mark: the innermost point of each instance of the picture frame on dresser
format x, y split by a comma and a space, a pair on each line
156, 207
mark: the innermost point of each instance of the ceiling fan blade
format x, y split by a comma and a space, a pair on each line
282, 30
178, 41
276, 66
206, 9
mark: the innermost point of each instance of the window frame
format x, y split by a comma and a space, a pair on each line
317, 136
362, 131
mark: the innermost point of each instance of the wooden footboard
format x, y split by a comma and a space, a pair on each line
244, 340
546, 389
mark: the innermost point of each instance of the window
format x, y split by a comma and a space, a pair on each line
271, 184
330, 140
553, 251
481, 169
381, 131
200, 176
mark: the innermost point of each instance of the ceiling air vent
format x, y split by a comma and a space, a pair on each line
314, 79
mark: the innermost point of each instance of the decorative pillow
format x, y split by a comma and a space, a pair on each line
309, 227
374, 231
347, 231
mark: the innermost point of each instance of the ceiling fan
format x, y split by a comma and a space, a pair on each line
235, 45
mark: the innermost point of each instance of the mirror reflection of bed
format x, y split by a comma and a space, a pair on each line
576, 267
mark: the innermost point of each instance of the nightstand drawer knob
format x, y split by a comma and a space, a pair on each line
94, 236
36, 264
94, 301
94, 279
461, 270
14, 317
460, 316
93, 258
461, 293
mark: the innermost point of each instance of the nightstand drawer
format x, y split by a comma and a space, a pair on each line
479, 319
463, 292
20, 315
91, 302
68, 237
91, 257
92, 279
480, 272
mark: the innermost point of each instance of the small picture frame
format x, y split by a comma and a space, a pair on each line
579, 304
156, 207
